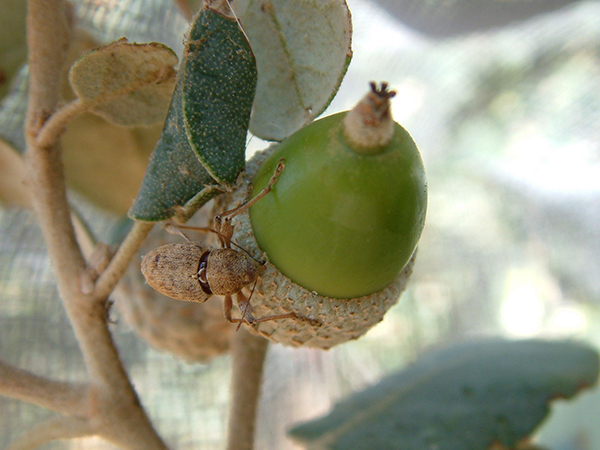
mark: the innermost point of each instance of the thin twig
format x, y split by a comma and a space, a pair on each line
85, 237
51, 430
57, 123
248, 354
66, 398
118, 265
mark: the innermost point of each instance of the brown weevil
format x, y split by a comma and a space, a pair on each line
194, 271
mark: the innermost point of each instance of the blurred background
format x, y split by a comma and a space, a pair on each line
503, 99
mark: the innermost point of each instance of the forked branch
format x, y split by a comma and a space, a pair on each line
108, 406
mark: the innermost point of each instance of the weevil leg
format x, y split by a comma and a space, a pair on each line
223, 220
227, 305
225, 232
246, 311
174, 229
248, 317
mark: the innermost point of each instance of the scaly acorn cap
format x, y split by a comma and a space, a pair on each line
338, 320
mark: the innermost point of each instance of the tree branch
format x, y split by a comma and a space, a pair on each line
115, 410
48, 34
47, 184
66, 398
248, 354
51, 430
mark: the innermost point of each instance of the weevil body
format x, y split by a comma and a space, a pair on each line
192, 271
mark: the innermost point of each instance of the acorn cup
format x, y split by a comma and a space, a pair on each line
338, 230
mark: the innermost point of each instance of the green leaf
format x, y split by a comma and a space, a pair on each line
127, 84
303, 48
219, 83
464, 397
202, 147
174, 176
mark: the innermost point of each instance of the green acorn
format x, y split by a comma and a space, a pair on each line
340, 226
